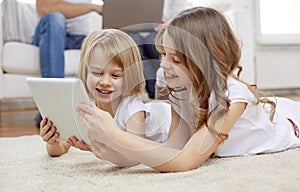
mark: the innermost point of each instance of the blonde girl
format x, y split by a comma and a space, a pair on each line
111, 70
213, 112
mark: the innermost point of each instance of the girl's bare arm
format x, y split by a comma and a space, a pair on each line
163, 157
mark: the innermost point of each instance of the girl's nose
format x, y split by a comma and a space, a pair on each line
164, 64
104, 81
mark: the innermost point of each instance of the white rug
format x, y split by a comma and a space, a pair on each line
25, 166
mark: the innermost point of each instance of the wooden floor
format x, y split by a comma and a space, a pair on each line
17, 116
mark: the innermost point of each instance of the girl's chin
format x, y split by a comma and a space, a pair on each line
103, 99
171, 83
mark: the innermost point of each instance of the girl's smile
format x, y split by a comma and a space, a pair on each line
105, 80
175, 72
170, 77
104, 93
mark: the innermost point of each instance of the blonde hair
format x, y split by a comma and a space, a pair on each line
119, 47
207, 46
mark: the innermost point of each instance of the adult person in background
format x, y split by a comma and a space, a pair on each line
149, 54
62, 26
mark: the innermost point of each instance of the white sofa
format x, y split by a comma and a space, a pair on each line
19, 60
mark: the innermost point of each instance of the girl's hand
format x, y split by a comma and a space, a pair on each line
100, 124
73, 141
48, 132
103, 132
104, 152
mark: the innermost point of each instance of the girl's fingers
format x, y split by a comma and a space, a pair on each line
70, 141
46, 126
43, 122
73, 141
50, 134
53, 139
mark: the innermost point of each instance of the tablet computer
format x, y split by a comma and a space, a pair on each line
57, 99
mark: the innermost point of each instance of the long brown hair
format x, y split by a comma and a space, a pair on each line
207, 46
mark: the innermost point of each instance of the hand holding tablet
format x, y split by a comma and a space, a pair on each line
57, 99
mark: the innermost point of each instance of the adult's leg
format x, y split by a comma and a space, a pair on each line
139, 40
149, 46
50, 37
74, 41
152, 65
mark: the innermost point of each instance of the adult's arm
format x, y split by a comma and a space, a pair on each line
163, 157
69, 10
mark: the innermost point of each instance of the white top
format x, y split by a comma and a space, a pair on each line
83, 24
253, 132
158, 116
80, 25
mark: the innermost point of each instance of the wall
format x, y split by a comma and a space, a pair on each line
269, 67
233, 4
239, 12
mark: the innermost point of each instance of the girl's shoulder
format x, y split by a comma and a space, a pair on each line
132, 99
238, 91
132, 104
129, 106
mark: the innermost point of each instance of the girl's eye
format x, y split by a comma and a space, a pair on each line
96, 73
117, 75
176, 61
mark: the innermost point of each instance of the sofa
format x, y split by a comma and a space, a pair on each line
19, 59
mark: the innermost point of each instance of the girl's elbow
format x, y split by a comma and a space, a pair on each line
182, 167
188, 167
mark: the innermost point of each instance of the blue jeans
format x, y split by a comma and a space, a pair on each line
52, 39
150, 57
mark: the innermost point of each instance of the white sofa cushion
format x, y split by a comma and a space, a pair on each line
21, 58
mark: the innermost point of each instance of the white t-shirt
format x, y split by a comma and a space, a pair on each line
84, 24
253, 132
158, 116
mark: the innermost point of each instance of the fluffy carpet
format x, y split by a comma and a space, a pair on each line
25, 166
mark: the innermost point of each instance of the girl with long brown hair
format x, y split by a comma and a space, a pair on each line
213, 111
